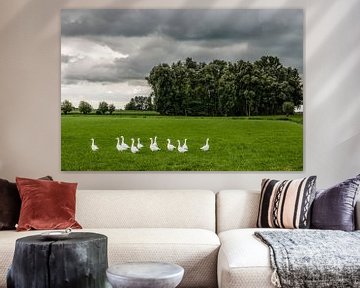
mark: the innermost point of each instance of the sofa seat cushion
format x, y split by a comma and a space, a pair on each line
194, 249
244, 261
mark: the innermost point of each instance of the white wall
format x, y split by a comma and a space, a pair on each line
30, 94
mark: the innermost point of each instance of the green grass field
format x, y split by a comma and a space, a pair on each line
236, 144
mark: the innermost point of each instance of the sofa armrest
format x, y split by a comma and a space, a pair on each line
357, 215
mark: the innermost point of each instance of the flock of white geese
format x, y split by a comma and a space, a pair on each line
135, 148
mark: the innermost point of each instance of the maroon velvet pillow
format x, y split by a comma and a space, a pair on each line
10, 204
46, 204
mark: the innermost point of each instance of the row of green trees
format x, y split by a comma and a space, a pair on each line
222, 88
86, 108
140, 103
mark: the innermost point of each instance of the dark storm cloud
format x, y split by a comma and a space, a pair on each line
99, 73
150, 37
182, 24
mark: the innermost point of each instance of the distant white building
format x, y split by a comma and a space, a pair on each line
299, 109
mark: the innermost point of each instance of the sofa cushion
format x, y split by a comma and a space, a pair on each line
244, 261
334, 208
286, 204
236, 209
194, 249
10, 204
46, 204
153, 209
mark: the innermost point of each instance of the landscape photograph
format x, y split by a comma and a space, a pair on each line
182, 90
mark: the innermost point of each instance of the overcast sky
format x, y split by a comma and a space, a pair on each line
106, 54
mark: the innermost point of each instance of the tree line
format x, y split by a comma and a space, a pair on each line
86, 108
220, 88
140, 103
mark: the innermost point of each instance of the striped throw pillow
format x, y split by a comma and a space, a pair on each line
286, 204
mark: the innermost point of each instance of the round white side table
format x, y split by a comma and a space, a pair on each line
145, 275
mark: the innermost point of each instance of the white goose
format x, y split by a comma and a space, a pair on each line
139, 145
206, 147
133, 148
123, 144
184, 146
155, 143
181, 148
169, 146
118, 146
93, 146
153, 148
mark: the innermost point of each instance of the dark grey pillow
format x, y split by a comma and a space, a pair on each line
334, 208
9, 205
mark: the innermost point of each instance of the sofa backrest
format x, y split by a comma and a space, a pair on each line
239, 209
146, 209
236, 209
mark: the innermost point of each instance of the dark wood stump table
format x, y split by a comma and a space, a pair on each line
79, 261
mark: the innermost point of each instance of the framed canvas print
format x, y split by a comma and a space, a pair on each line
182, 90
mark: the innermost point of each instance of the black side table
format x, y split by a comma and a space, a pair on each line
79, 261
